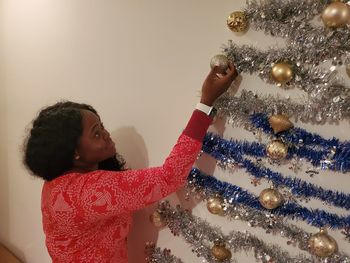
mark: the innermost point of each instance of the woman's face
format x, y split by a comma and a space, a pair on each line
95, 144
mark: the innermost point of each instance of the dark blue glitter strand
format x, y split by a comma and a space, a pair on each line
310, 141
233, 193
339, 162
260, 120
226, 151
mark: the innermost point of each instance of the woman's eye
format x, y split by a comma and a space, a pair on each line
97, 135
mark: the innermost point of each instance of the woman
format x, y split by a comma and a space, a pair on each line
88, 197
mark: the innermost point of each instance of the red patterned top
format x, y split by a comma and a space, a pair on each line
86, 217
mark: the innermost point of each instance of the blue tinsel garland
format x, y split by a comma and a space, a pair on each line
308, 145
227, 151
232, 193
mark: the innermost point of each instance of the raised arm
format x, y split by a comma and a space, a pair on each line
107, 192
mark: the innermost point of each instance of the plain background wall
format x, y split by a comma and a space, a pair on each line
139, 63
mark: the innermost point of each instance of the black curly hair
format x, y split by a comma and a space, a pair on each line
50, 147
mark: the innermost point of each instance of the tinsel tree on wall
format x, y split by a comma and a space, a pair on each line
284, 155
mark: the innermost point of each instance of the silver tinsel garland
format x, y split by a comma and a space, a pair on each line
307, 46
237, 109
271, 223
321, 85
282, 12
157, 255
289, 19
198, 233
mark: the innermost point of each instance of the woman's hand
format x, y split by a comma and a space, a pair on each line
217, 83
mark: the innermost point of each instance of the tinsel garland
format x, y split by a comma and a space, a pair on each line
238, 109
157, 255
272, 224
198, 233
338, 152
282, 12
229, 152
285, 11
315, 217
337, 159
289, 19
297, 135
321, 85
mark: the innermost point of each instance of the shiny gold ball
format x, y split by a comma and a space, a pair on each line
322, 245
237, 22
348, 69
280, 122
156, 219
282, 72
215, 206
221, 253
277, 150
220, 61
336, 14
270, 198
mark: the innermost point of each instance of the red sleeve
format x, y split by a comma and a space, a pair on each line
107, 192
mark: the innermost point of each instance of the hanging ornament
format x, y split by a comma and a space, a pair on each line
220, 252
279, 123
336, 14
322, 245
157, 219
215, 206
237, 22
220, 61
277, 150
282, 72
270, 198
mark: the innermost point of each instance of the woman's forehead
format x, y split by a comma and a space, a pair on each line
89, 118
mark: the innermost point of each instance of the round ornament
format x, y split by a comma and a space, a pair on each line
237, 22
280, 122
215, 206
270, 198
220, 252
282, 73
220, 61
322, 245
156, 219
336, 14
277, 150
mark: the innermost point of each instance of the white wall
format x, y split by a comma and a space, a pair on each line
140, 63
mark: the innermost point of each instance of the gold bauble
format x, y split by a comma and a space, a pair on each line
270, 198
282, 72
220, 61
279, 123
215, 206
277, 150
322, 245
220, 252
157, 219
336, 14
348, 69
237, 22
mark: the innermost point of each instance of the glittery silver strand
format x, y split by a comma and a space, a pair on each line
288, 19
271, 223
237, 109
267, 12
157, 255
198, 233
321, 85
